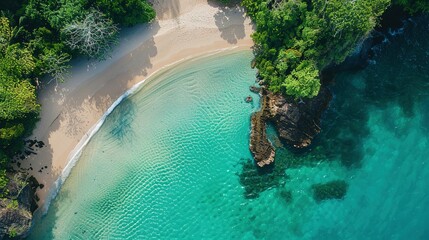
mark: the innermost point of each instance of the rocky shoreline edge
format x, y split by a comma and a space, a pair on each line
297, 121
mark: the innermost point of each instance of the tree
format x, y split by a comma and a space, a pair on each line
5, 33
303, 81
21, 181
16, 61
93, 36
18, 98
414, 6
59, 13
126, 12
3, 178
17, 94
55, 64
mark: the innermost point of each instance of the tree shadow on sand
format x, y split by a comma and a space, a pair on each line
137, 62
65, 112
230, 22
166, 8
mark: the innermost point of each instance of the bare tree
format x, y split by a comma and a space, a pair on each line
56, 65
21, 181
93, 36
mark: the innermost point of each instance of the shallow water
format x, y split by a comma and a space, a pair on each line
171, 161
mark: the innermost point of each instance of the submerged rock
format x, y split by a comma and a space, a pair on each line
254, 89
297, 122
331, 190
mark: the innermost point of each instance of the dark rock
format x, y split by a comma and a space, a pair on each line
254, 89
249, 99
28, 152
253, 64
40, 144
392, 18
297, 122
31, 143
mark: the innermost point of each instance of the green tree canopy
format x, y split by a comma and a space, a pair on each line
125, 12
296, 39
17, 94
303, 81
414, 6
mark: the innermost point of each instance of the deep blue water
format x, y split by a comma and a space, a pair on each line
171, 162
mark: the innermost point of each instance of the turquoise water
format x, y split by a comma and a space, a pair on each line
172, 161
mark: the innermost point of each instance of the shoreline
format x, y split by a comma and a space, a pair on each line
71, 115
75, 154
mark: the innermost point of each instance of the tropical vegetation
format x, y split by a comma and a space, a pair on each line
296, 39
38, 38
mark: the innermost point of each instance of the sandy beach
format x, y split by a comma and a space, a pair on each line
183, 29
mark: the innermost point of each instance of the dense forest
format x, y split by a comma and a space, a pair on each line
38, 38
294, 41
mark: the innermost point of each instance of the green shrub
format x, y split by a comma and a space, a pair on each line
12, 232
13, 204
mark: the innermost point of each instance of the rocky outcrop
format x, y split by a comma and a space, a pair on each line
297, 122
16, 209
262, 150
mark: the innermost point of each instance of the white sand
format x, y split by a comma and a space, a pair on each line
184, 29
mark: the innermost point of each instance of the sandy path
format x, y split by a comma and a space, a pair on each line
184, 29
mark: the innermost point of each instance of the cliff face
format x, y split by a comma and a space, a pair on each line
297, 122
16, 210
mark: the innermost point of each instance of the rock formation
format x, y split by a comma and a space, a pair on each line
262, 150
297, 122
